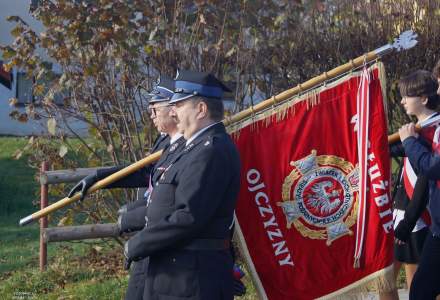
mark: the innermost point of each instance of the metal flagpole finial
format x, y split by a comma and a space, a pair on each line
405, 40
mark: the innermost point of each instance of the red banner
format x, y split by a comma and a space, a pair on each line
298, 207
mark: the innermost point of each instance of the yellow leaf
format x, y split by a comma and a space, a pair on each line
66, 221
110, 148
38, 89
202, 19
230, 52
17, 31
51, 126
40, 74
13, 101
63, 151
8, 67
280, 19
18, 154
148, 49
97, 248
152, 34
8, 53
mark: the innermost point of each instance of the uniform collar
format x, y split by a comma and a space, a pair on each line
198, 133
429, 117
175, 137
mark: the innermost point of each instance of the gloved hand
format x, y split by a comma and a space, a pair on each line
127, 260
83, 186
122, 209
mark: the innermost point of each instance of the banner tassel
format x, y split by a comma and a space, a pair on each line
356, 263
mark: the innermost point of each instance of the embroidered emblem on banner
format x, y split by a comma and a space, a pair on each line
318, 197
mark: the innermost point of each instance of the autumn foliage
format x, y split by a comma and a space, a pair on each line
108, 53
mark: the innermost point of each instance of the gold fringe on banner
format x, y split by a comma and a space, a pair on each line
379, 281
280, 110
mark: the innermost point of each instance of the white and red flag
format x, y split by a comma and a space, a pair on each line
305, 229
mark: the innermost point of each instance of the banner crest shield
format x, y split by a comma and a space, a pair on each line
323, 192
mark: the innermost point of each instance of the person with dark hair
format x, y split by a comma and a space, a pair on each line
187, 236
424, 157
411, 219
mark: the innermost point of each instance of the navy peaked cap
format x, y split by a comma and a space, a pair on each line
163, 91
192, 83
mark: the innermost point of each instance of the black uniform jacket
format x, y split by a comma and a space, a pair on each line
134, 218
193, 199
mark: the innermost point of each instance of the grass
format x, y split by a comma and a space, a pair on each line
17, 245
17, 184
75, 270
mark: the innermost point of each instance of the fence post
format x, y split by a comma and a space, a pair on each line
43, 221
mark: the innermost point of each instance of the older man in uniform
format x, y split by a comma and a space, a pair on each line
133, 216
187, 234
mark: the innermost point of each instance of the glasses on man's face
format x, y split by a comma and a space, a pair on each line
153, 110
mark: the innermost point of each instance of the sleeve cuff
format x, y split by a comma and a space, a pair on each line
409, 141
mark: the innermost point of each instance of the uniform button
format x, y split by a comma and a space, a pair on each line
174, 260
157, 183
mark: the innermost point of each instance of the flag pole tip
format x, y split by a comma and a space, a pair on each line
26, 220
406, 40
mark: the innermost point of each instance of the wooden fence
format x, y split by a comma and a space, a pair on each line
68, 233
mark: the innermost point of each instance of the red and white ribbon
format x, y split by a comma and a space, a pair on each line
363, 111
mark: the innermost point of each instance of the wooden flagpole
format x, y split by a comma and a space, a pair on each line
405, 41
99, 185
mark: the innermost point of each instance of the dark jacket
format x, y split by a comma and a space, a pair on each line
135, 218
413, 207
193, 199
428, 164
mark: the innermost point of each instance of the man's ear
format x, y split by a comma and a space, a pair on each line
203, 109
425, 100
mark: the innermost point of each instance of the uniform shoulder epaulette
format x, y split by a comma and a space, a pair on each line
209, 140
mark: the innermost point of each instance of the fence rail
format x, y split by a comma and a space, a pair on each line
68, 233
82, 232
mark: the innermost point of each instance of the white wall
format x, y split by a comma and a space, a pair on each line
9, 126
17, 8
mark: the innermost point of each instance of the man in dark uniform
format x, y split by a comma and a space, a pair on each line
187, 234
133, 216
